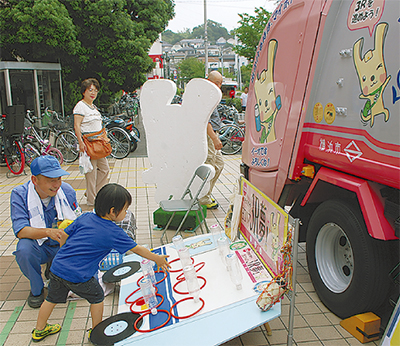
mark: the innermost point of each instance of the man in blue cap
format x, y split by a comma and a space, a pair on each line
36, 207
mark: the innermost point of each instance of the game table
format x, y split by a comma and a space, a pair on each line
227, 312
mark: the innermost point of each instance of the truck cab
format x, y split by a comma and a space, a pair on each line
322, 137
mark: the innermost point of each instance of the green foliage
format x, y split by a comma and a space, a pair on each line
172, 37
246, 73
36, 31
214, 32
234, 102
107, 40
190, 68
250, 31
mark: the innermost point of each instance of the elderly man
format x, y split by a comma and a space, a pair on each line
36, 207
214, 156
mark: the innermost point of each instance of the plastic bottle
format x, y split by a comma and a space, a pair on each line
147, 246
184, 256
148, 270
149, 294
234, 270
223, 248
192, 281
178, 242
216, 232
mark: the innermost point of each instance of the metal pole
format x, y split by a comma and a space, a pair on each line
205, 40
294, 276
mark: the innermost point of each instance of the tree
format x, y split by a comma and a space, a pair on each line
250, 31
172, 37
107, 40
214, 32
245, 71
190, 68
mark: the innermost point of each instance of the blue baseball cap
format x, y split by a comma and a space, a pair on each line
47, 166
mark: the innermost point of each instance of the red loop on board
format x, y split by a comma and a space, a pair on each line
178, 282
178, 270
150, 330
183, 317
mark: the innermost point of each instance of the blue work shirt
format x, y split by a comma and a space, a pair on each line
19, 208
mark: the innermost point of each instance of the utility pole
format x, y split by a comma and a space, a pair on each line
205, 40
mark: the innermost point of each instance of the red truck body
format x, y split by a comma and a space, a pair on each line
323, 132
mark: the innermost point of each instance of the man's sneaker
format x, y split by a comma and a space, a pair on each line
35, 301
38, 335
212, 205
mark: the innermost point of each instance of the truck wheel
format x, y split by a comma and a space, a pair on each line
347, 266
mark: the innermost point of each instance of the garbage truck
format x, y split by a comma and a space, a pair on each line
323, 140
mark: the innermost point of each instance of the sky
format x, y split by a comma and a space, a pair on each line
190, 13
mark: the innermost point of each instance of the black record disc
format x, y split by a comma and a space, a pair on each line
114, 329
121, 271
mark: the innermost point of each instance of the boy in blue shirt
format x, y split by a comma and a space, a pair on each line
84, 244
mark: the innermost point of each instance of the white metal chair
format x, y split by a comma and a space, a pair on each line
188, 204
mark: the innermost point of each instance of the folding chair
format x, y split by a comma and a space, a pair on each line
189, 204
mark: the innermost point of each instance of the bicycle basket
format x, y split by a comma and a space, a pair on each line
14, 121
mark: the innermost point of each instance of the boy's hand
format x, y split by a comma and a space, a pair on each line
162, 263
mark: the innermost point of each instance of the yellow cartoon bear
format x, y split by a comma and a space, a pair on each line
372, 76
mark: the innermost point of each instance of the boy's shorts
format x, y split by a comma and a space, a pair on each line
58, 290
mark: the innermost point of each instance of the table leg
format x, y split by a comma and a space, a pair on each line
268, 329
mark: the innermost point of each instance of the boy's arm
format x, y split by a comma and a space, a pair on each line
64, 237
159, 259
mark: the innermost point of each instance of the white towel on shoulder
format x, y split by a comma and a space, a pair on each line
35, 208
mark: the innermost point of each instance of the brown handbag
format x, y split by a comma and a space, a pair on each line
97, 144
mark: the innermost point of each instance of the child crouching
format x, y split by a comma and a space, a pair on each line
84, 244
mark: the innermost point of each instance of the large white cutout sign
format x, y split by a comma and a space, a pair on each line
176, 134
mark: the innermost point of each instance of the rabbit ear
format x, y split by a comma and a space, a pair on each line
203, 94
357, 47
158, 92
272, 47
380, 34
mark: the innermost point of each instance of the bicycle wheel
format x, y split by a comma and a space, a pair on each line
14, 155
120, 142
232, 137
67, 143
30, 152
56, 153
135, 129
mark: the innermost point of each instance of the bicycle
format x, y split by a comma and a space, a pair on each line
62, 137
120, 142
35, 146
232, 136
10, 143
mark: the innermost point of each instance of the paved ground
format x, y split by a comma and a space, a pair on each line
314, 324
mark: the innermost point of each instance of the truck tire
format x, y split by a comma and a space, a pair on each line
347, 266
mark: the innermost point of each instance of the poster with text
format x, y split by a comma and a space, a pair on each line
264, 224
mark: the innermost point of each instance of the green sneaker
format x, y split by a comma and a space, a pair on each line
38, 335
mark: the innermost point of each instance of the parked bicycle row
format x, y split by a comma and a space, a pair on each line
23, 138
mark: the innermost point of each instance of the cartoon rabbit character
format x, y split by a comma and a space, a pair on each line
272, 244
267, 104
372, 76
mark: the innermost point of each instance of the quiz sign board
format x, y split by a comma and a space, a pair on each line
265, 226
